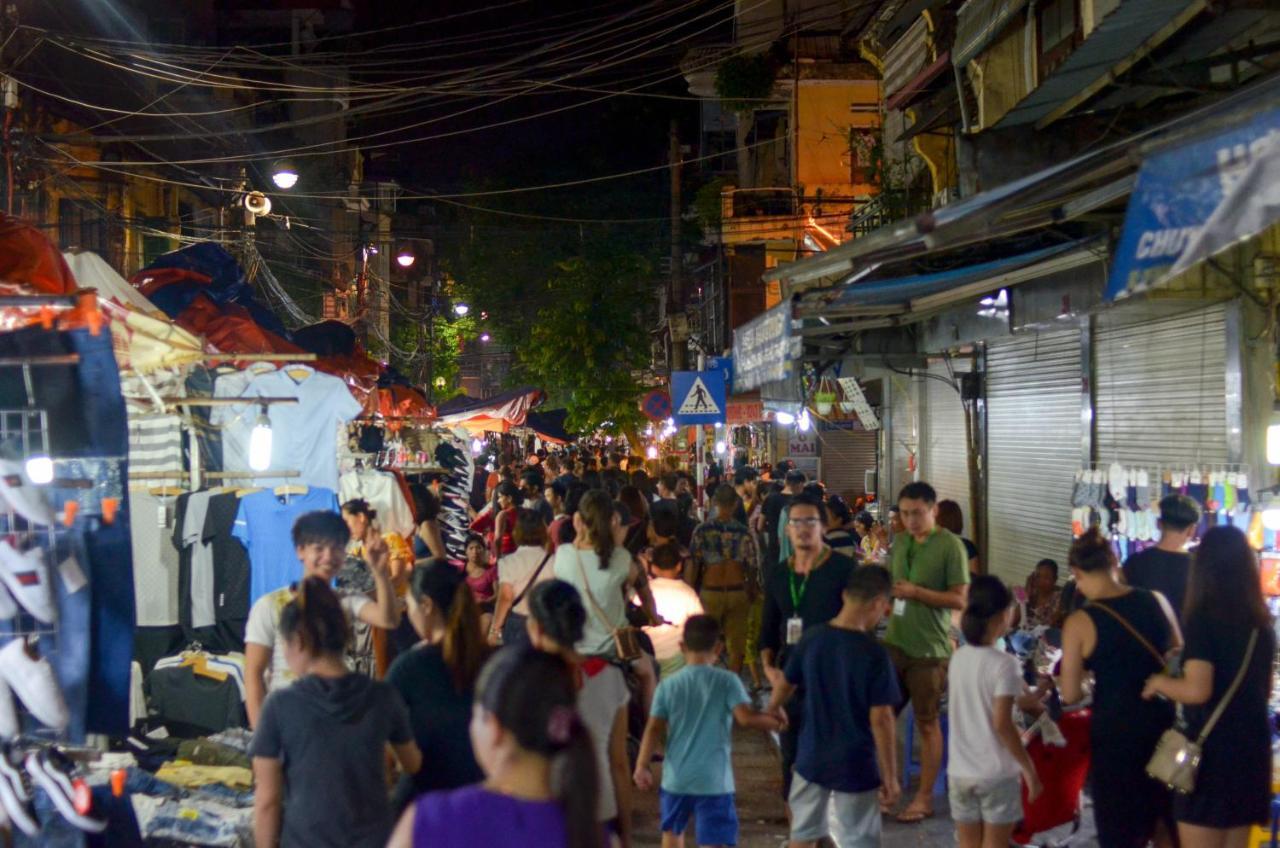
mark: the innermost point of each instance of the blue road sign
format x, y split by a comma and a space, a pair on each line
698, 397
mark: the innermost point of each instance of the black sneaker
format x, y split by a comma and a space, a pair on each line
54, 772
15, 794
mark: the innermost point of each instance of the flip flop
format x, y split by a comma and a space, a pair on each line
914, 816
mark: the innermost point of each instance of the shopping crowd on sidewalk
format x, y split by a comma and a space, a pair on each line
599, 632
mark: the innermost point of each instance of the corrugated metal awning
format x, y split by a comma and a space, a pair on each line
978, 23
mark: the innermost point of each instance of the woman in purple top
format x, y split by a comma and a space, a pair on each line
524, 729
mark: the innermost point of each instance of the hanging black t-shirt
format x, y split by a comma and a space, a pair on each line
1160, 571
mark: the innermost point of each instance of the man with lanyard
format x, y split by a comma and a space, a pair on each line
805, 591
931, 577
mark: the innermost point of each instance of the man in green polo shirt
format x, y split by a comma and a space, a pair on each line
931, 576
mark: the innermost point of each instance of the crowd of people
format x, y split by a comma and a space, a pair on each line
598, 627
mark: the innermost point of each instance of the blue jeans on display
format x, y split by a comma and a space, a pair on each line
111, 627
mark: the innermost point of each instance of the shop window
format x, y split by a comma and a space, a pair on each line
1059, 33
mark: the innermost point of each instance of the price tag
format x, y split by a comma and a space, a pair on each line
900, 606
795, 629
162, 516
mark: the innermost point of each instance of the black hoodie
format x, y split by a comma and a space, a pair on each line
330, 735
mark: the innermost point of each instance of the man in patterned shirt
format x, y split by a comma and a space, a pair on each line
726, 572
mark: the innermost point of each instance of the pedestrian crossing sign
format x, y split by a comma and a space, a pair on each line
698, 397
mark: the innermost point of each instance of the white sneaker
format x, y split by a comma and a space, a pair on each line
17, 489
11, 770
27, 577
32, 679
9, 725
52, 771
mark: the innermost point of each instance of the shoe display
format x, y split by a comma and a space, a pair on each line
27, 577
32, 679
11, 770
17, 490
54, 772
9, 725
8, 608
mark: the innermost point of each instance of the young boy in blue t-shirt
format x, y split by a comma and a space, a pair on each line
694, 711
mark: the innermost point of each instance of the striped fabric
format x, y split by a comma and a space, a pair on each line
155, 444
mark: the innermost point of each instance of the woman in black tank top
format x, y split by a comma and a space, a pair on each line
1121, 636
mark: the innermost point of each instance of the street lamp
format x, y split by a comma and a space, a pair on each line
461, 309
484, 337
405, 258
284, 174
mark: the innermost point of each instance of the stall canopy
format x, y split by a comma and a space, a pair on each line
549, 426
497, 414
890, 301
29, 259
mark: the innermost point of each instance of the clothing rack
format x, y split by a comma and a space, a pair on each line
212, 475
51, 359
226, 401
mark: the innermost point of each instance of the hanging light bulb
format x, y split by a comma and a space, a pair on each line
786, 419
804, 422
477, 447
721, 448
652, 452
40, 469
260, 442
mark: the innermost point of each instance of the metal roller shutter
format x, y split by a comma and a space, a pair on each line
1160, 388
846, 457
945, 457
1033, 387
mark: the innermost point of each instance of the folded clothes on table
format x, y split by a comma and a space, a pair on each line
184, 773
193, 821
205, 752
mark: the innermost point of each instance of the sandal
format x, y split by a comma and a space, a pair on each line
914, 815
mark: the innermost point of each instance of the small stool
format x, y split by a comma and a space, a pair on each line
912, 765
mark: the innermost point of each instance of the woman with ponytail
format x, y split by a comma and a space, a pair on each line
539, 788
318, 749
604, 573
556, 621
437, 678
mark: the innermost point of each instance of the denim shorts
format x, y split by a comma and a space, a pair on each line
716, 815
997, 801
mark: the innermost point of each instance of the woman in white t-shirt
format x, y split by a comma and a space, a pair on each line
605, 575
985, 751
517, 574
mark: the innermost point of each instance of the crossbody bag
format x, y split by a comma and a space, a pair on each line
626, 640
1176, 760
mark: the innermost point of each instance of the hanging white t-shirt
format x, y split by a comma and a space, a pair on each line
155, 560
236, 421
975, 678
304, 434
382, 490
675, 601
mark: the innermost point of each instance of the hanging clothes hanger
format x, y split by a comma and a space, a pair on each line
166, 491
291, 489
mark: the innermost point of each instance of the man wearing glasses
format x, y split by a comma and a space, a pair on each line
806, 590
931, 577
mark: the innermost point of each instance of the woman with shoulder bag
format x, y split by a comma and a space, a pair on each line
1122, 635
605, 574
517, 574
1231, 645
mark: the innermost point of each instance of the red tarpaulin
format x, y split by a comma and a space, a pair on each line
230, 329
28, 258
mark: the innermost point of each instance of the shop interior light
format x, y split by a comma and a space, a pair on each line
1271, 516
721, 448
1273, 436
40, 469
284, 174
652, 452
461, 309
804, 422
260, 442
719, 424
786, 419
405, 258
477, 447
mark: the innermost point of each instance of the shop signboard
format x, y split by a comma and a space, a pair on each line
1177, 192
744, 412
803, 444
764, 349
723, 364
698, 397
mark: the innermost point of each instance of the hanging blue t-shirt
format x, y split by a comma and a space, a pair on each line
264, 525
844, 674
698, 703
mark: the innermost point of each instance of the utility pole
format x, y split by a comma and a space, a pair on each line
675, 303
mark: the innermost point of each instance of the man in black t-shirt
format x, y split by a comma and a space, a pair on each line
1165, 567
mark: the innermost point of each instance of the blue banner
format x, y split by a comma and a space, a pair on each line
698, 397
723, 364
1176, 192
